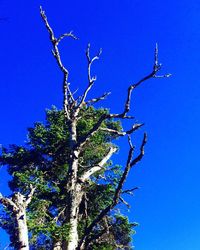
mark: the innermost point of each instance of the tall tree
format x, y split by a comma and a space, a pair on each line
66, 192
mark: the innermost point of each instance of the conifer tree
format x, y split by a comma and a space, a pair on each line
66, 192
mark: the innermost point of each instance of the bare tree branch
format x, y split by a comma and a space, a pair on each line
153, 74
94, 100
130, 191
7, 202
30, 195
91, 79
99, 166
140, 156
123, 133
67, 95
123, 115
125, 202
70, 34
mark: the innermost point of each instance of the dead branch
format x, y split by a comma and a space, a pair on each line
140, 156
91, 79
123, 133
97, 99
125, 202
99, 166
153, 74
123, 115
67, 95
130, 191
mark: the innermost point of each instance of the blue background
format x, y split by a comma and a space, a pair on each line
167, 205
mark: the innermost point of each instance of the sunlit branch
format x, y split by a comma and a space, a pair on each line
99, 166
67, 95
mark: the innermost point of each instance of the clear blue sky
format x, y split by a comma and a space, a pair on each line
167, 205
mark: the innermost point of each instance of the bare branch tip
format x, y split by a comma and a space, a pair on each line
145, 138
42, 12
130, 142
100, 51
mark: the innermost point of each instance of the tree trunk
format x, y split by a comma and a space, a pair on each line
22, 242
74, 191
22, 230
75, 195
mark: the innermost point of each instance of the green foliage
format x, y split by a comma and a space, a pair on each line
43, 162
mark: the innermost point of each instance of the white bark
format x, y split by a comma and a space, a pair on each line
57, 245
75, 200
98, 167
74, 189
17, 205
22, 230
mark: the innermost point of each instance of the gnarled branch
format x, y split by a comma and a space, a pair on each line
67, 95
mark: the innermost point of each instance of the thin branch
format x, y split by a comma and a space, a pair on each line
70, 34
140, 156
153, 74
91, 79
130, 191
99, 166
95, 100
30, 195
67, 95
125, 202
123, 133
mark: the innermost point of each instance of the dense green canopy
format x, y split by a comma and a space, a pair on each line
43, 163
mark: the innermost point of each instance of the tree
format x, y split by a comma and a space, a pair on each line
66, 192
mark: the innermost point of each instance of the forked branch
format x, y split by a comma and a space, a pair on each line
91, 79
68, 98
123, 115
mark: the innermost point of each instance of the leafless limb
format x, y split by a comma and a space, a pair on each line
153, 74
99, 166
30, 195
123, 133
125, 202
140, 156
70, 34
123, 115
94, 100
130, 191
67, 95
91, 79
